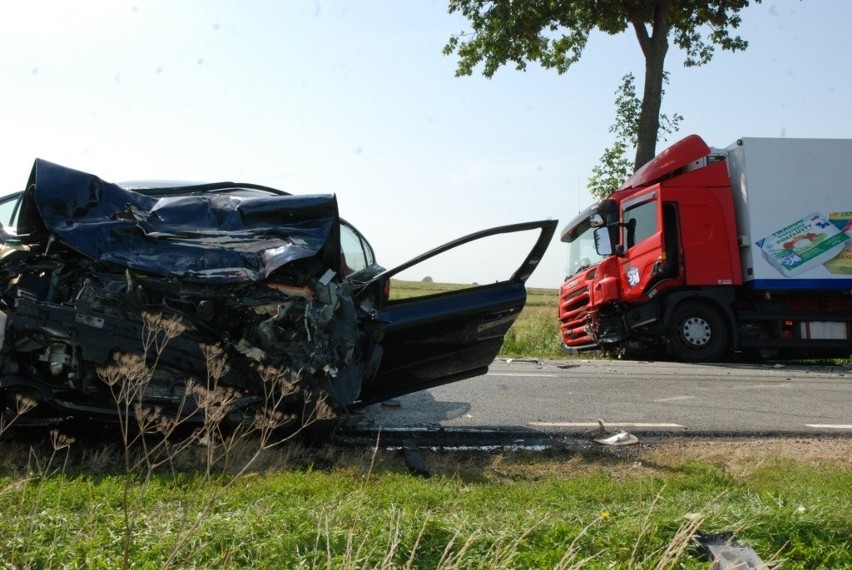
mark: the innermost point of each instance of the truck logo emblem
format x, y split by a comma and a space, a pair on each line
633, 276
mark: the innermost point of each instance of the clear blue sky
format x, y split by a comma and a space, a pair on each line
356, 99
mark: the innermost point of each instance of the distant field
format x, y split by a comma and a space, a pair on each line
536, 297
542, 298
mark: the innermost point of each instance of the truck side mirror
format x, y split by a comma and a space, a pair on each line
602, 242
596, 221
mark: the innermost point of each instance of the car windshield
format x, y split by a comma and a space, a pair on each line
581, 249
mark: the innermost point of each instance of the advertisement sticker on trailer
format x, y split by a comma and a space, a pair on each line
802, 245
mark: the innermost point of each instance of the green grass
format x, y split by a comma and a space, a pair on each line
362, 510
534, 335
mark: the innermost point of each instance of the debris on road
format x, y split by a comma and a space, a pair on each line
726, 553
414, 458
603, 437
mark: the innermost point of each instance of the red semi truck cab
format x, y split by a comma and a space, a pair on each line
667, 263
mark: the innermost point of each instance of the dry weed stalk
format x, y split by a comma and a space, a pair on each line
128, 380
681, 540
214, 402
26, 523
23, 405
569, 559
644, 527
209, 402
450, 560
411, 559
394, 531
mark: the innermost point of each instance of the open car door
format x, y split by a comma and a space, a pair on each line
450, 335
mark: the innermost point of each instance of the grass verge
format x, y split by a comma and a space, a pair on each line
308, 508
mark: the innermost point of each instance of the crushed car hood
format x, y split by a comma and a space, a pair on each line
211, 238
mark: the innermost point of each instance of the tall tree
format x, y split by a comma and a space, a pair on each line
554, 34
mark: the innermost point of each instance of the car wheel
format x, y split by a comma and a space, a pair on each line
698, 332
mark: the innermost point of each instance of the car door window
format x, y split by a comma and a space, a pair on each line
477, 263
356, 254
9, 212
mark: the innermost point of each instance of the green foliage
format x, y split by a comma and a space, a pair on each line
519, 32
718, 18
615, 166
554, 34
612, 170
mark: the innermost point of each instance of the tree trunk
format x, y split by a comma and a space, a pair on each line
649, 117
654, 48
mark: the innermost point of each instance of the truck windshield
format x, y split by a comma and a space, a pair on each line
581, 249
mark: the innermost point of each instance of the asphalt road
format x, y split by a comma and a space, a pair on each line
567, 397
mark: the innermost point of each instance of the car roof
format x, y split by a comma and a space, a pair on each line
172, 187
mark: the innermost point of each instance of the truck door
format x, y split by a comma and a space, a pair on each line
643, 240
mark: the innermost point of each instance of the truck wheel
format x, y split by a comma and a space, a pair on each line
698, 332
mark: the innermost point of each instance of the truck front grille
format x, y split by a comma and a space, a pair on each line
573, 311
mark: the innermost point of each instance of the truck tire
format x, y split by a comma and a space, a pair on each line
697, 333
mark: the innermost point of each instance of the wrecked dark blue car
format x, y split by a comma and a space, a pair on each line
274, 281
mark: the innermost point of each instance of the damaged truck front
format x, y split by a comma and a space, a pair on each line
186, 276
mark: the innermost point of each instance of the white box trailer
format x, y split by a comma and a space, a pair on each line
793, 205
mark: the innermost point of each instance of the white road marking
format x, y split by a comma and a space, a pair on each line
525, 375
829, 426
608, 424
675, 398
758, 386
